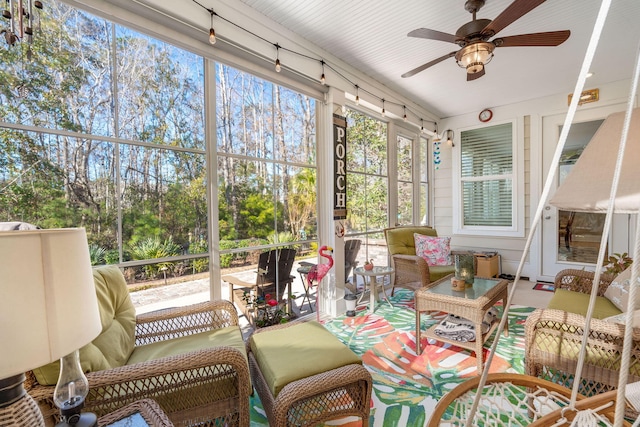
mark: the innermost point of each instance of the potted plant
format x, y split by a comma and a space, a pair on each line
265, 310
617, 263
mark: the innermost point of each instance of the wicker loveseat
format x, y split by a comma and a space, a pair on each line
412, 271
553, 337
191, 360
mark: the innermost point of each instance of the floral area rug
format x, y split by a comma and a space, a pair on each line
406, 387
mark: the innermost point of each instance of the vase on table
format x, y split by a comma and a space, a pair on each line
464, 267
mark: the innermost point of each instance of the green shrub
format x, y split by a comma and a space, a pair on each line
227, 259
200, 246
111, 257
97, 254
152, 248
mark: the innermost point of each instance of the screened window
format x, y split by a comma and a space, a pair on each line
405, 180
141, 192
266, 164
424, 182
367, 183
487, 177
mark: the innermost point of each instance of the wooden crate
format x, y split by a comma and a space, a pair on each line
487, 266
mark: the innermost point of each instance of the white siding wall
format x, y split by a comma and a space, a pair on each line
529, 114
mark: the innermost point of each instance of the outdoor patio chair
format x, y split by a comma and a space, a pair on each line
412, 271
553, 337
273, 275
351, 249
191, 360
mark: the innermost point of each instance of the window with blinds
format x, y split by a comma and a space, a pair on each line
486, 176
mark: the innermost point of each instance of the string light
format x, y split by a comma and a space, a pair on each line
212, 32
436, 137
278, 65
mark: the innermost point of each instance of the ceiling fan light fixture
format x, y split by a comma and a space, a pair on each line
475, 56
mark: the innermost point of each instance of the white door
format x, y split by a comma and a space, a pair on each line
572, 239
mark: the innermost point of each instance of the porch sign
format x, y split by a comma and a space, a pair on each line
339, 167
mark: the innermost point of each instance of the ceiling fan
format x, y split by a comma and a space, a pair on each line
473, 37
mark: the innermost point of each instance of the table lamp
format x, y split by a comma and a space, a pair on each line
48, 310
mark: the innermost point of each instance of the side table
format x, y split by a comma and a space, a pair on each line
373, 276
303, 271
142, 413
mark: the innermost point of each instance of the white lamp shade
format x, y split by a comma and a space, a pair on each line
588, 186
48, 304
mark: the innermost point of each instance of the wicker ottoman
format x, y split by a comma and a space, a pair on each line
304, 375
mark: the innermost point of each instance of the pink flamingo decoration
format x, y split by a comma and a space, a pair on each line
317, 273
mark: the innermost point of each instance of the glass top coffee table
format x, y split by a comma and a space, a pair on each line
472, 304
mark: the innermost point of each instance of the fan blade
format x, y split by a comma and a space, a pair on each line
513, 12
425, 33
475, 75
551, 38
428, 64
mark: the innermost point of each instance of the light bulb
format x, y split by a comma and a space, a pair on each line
383, 112
212, 36
357, 100
278, 67
322, 79
405, 117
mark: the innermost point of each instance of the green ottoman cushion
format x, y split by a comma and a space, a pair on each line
578, 302
299, 351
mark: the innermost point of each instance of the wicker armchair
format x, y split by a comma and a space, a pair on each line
553, 339
411, 271
195, 382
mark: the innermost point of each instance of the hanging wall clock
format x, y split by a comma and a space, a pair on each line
485, 115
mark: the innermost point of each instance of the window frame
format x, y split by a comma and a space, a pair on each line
397, 131
517, 178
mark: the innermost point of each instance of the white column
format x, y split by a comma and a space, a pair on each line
331, 302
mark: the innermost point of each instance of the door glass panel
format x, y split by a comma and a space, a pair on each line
579, 233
